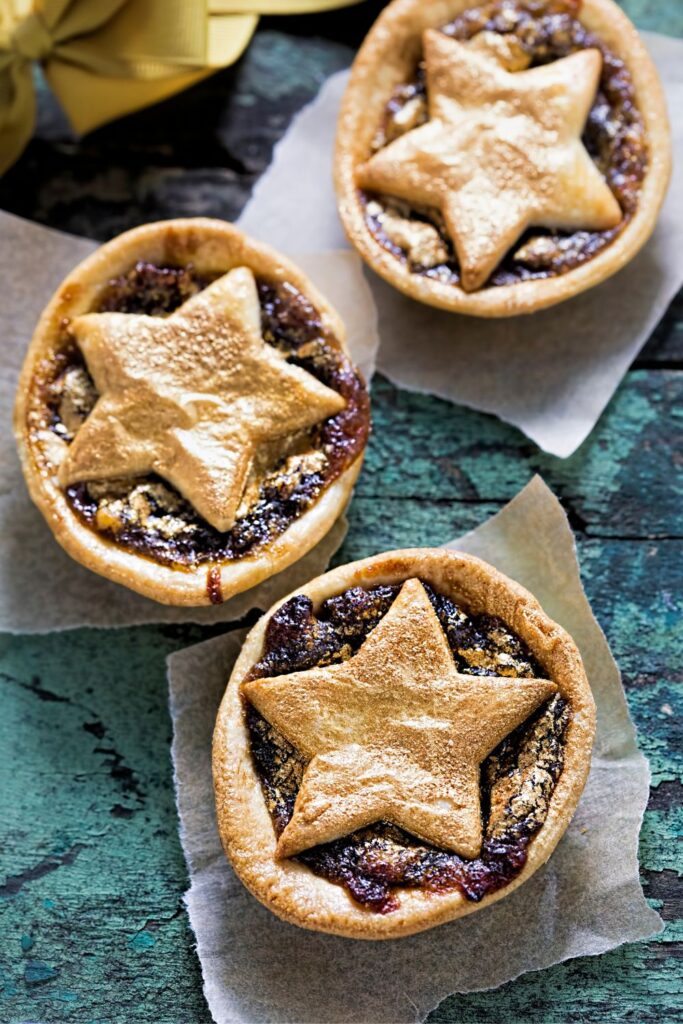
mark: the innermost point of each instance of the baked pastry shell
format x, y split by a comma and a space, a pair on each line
211, 246
388, 57
289, 888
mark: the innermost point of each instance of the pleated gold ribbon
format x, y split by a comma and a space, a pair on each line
106, 58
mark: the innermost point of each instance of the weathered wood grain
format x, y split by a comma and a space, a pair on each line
95, 873
91, 871
621, 483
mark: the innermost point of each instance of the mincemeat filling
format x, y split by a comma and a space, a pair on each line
147, 514
517, 779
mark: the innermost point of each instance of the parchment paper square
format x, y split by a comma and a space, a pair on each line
586, 900
551, 373
41, 588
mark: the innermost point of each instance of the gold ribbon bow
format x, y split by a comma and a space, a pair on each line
106, 58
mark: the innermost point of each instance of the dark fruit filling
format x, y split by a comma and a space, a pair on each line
149, 516
541, 31
517, 779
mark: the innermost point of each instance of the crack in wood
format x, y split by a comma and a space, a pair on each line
14, 883
666, 796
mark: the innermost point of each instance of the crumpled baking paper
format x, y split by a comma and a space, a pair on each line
587, 899
41, 588
550, 373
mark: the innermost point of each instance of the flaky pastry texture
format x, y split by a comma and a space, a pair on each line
212, 247
288, 887
471, 181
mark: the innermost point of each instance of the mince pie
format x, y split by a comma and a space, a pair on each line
402, 741
497, 157
188, 417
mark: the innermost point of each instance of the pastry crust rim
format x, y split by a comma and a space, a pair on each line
360, 114
290, 889
206, 242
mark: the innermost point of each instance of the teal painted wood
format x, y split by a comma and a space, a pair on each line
95, 871
91, 871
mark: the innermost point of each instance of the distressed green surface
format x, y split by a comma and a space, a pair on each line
91, 871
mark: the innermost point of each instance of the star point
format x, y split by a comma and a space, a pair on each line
190, 396
394, 733
501, 152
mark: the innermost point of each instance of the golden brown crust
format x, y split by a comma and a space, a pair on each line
213, 247
290, 889
388, 57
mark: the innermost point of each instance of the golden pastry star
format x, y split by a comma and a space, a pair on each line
395, 733
501, 152
190, 396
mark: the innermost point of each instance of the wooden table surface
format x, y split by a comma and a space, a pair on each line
91, 871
